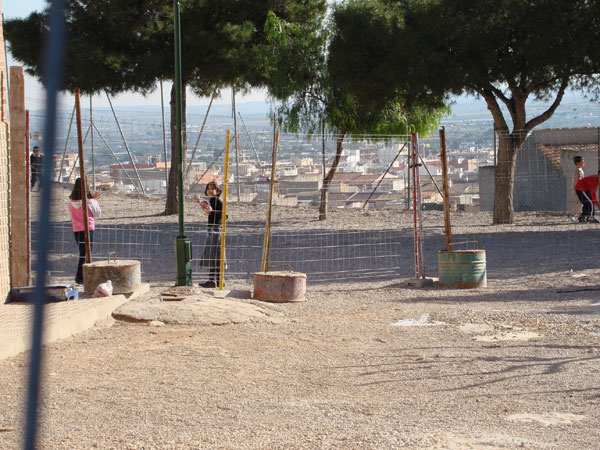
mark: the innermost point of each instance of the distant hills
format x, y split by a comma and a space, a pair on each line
250, 109
575, 110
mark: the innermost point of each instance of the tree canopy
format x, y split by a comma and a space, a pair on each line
311, 98
505, 51
109, 44
123, 45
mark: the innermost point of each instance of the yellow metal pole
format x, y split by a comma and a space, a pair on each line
224, 213
265, 258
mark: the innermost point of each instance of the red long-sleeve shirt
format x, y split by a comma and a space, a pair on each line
589, 183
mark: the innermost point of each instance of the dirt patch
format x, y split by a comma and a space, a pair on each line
509, 336
547, 419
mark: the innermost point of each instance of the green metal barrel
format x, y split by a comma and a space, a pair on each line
462, 269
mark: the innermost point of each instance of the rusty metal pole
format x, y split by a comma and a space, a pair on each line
447, 226
408, 175
84, 191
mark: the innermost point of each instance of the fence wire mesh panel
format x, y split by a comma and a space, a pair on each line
368, 233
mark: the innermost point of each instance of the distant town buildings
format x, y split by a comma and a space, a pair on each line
543, 168
375, 175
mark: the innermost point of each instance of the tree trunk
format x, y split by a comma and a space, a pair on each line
330, 175
324, 201
171, 206
505, 176
510, 143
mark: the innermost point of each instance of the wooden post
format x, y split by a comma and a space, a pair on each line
224, 214
18, 181
84, 191
447, 226
416, 205
28, 196
265, 258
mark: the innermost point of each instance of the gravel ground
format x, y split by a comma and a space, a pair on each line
359, 365
379, 366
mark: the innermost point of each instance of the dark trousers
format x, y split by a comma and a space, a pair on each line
80, 239
585, 197
213, 274
34, 178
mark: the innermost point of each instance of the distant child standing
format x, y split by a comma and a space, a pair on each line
211, 258
76, 210
35, 167
577, 175
586, 192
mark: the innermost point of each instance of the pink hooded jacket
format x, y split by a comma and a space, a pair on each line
76, 210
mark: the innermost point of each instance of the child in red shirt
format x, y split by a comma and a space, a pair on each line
586, 189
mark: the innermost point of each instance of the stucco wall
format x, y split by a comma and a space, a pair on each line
4, 175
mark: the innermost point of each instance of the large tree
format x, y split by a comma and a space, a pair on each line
120, 45
506, 51
311, 99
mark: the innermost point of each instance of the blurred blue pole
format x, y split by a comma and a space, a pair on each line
53, 66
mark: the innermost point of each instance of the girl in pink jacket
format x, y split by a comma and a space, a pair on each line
76, 210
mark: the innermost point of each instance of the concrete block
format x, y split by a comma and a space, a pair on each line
419, 282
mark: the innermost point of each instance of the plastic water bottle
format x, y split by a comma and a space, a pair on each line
104, 289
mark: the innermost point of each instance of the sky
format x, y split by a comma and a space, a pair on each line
34, 92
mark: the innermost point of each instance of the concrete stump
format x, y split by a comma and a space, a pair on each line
279, 287
125, 275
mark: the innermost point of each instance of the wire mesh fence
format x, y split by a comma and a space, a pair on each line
536, 244
372, 181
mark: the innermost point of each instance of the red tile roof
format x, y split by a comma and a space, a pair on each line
552, 152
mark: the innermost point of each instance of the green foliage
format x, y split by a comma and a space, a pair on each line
110, 43
301, 78
428, 49
120, 45
505, 51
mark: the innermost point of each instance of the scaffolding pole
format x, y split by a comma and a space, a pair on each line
125, 142
212, 97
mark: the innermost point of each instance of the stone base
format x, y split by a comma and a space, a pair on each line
279, 287
419, 282
125, 275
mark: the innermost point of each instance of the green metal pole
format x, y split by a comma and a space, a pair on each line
183, 247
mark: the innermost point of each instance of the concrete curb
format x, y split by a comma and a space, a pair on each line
62, 320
